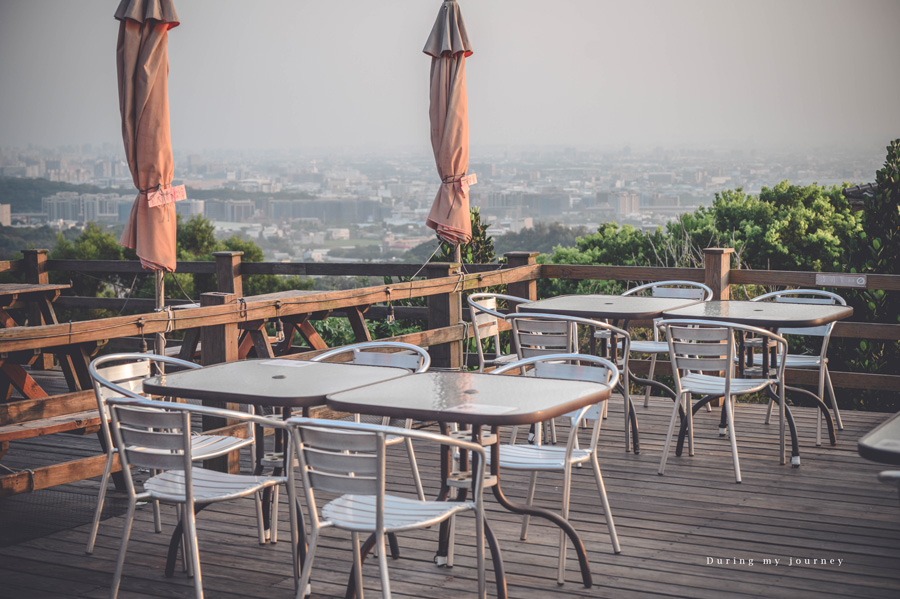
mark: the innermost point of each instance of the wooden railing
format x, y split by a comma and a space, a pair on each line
226, 313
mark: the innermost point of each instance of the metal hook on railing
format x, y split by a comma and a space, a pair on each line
279, 325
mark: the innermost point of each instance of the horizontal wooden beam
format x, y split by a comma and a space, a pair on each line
794, 278
113, 303
354, 269
12, 265
56, 474
20, 338
14, 412
125, 266
620, 273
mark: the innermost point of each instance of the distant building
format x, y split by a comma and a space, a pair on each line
5, 215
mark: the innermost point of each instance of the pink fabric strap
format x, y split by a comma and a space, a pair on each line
161, 197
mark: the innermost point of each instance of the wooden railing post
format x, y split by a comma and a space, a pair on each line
219, 343
444, 311
36, 273
717, 262
228, 273
526, 289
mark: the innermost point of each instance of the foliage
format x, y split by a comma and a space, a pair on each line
480, 250
785, 227
543, 237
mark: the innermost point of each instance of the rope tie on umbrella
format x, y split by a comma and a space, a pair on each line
464, 181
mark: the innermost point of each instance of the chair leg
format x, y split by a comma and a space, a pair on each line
120, 561
650, 377
157, 518
357, 562
479, 553
729, 408
383, 567
604, 500
308, 562
821, 392
689, 414
414, 467
567, 489
451, 542
260, 529
273, 522
190, 527
769, 411
553, 431
529, 500
665, 451
101, 497
834, 404
295, 535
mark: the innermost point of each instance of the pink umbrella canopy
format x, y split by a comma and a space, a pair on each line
448, 45
142, 60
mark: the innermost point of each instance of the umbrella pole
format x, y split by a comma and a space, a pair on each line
160, 305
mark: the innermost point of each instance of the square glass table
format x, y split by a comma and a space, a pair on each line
280, 383
479, 399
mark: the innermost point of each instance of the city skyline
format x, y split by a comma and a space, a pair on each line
292, 75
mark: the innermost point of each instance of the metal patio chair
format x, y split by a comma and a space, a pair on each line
348, 458
485, 317
544, 458
697, 347
668, 289
409, 356
536, 335
809, 361
122, 375
157, 435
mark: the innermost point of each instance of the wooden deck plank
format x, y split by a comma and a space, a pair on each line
832, 508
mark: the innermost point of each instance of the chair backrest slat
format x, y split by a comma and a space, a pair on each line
395, 359
341, 461
154, 461
703, 364
360, 464
572, 372
155, 439
341, 484
152, 438
701, 334
400, 355
149, 418
674, 289
333, 440
804, 296
678, 292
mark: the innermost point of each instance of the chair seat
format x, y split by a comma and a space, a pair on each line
650, 347
539, 457
357, 512
501, 359
209, 485
799, 361
704, 384
212, 446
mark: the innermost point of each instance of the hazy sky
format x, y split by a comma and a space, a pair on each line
270, 74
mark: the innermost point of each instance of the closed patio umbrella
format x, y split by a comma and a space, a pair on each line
448, 45
142, 61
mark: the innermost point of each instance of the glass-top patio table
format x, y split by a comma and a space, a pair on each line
479, 399
621, 310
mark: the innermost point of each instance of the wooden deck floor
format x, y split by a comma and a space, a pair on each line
680, 534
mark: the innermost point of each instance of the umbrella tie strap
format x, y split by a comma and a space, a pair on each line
464, 181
